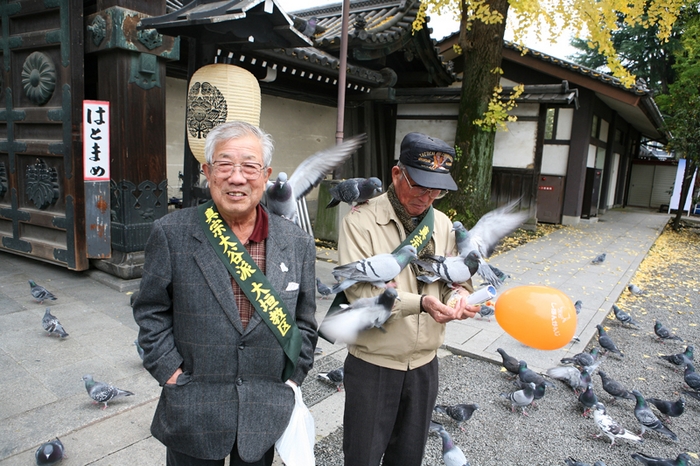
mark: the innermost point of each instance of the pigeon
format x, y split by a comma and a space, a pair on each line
623, 317
511, 364
452, 455
588, 361
615, 388
50, 452
606, 342
599, 259
322, 288
486, 311
681, 460
521, 398
344, 325
139, 349
526, 375
692, 394
282, 194
578, 305
680, 359
574, 378
663, 333
588, 399
487, 232
52, 325
648, 419
308, 27
691, 377
355, 190
451, 270
102, 392
335, 376
40, 293
459, 412
669, 408
376, 270
634, 289
610, 427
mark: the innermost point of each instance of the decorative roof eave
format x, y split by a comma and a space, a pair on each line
254, 24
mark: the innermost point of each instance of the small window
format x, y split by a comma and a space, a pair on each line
549, 123
594, 127
618, 135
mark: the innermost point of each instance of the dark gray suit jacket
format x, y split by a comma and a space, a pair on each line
232, 387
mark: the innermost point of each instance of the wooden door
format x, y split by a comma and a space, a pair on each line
41, 183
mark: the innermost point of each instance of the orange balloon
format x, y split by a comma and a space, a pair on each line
538, 316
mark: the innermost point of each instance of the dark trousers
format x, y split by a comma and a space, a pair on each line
175, 458
387, 412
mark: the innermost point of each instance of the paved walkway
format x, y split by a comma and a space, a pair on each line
42, 395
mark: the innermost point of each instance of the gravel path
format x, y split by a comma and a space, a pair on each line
555, 429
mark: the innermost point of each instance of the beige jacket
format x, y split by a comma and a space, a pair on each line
412, 337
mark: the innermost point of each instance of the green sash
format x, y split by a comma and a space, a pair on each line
418, 239
254, 284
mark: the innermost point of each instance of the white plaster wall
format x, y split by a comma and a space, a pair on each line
441, 129
555, 159
515, 148
175, 106
613, 180
566, 118
427, 109
532, 110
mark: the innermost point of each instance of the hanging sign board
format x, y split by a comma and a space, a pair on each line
96, 175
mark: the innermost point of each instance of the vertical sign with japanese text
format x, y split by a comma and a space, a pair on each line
95, 140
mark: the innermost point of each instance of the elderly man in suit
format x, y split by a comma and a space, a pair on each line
226, 311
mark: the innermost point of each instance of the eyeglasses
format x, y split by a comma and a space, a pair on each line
250, 170
419, 191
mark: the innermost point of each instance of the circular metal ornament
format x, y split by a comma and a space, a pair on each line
38, 78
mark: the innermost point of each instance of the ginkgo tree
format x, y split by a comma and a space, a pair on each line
482, 28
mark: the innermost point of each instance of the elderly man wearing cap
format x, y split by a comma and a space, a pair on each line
391, 379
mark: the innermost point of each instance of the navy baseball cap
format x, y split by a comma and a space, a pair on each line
428, 160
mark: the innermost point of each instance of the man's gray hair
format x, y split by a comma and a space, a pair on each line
236, 130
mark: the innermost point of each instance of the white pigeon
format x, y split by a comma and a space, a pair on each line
283, 193
344, 325
102, 392
376, 270
485, 235
610, 427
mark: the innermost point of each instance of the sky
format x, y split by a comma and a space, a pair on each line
444, 25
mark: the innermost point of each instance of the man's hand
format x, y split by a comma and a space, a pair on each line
173, 378
443, 313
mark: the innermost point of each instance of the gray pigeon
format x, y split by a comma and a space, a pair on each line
606, 342
669, 408
486, 311
574, 378
335, 376
599, 259
282, 194
50, 452
521, 398
634, 289
511, 364
40, 293
139, 349
460, 412
578, 305
452, 455
615, 388
589, 361
526, 375
663, 333
691, 377
610, 427
355, 190
323, 289
485, 235
376, 270
588, 399
623, 317
648, 419
344, 326
681, 460
102, 392
451, 270
680, 359
52, 325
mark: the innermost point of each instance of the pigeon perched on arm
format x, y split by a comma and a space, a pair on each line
663, 333
599, 259
681, 460
648, 419
623, 317
680, 359
52, 325
511, 364
376, 270
452, 455
451, 270
282, 194
669, 408
355, 190
50, 452
615, 388
40, 293
344, 326
485, 235
521, 398
691, 377
460, 412
606, 342
610, 427
323, 289
102, 392
335, 376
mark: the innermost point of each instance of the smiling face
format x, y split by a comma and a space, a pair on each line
235, 196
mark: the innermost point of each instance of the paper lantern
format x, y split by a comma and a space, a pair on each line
217, 94
538, 316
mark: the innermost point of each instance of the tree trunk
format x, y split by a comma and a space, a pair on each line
482, 49
688, 174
